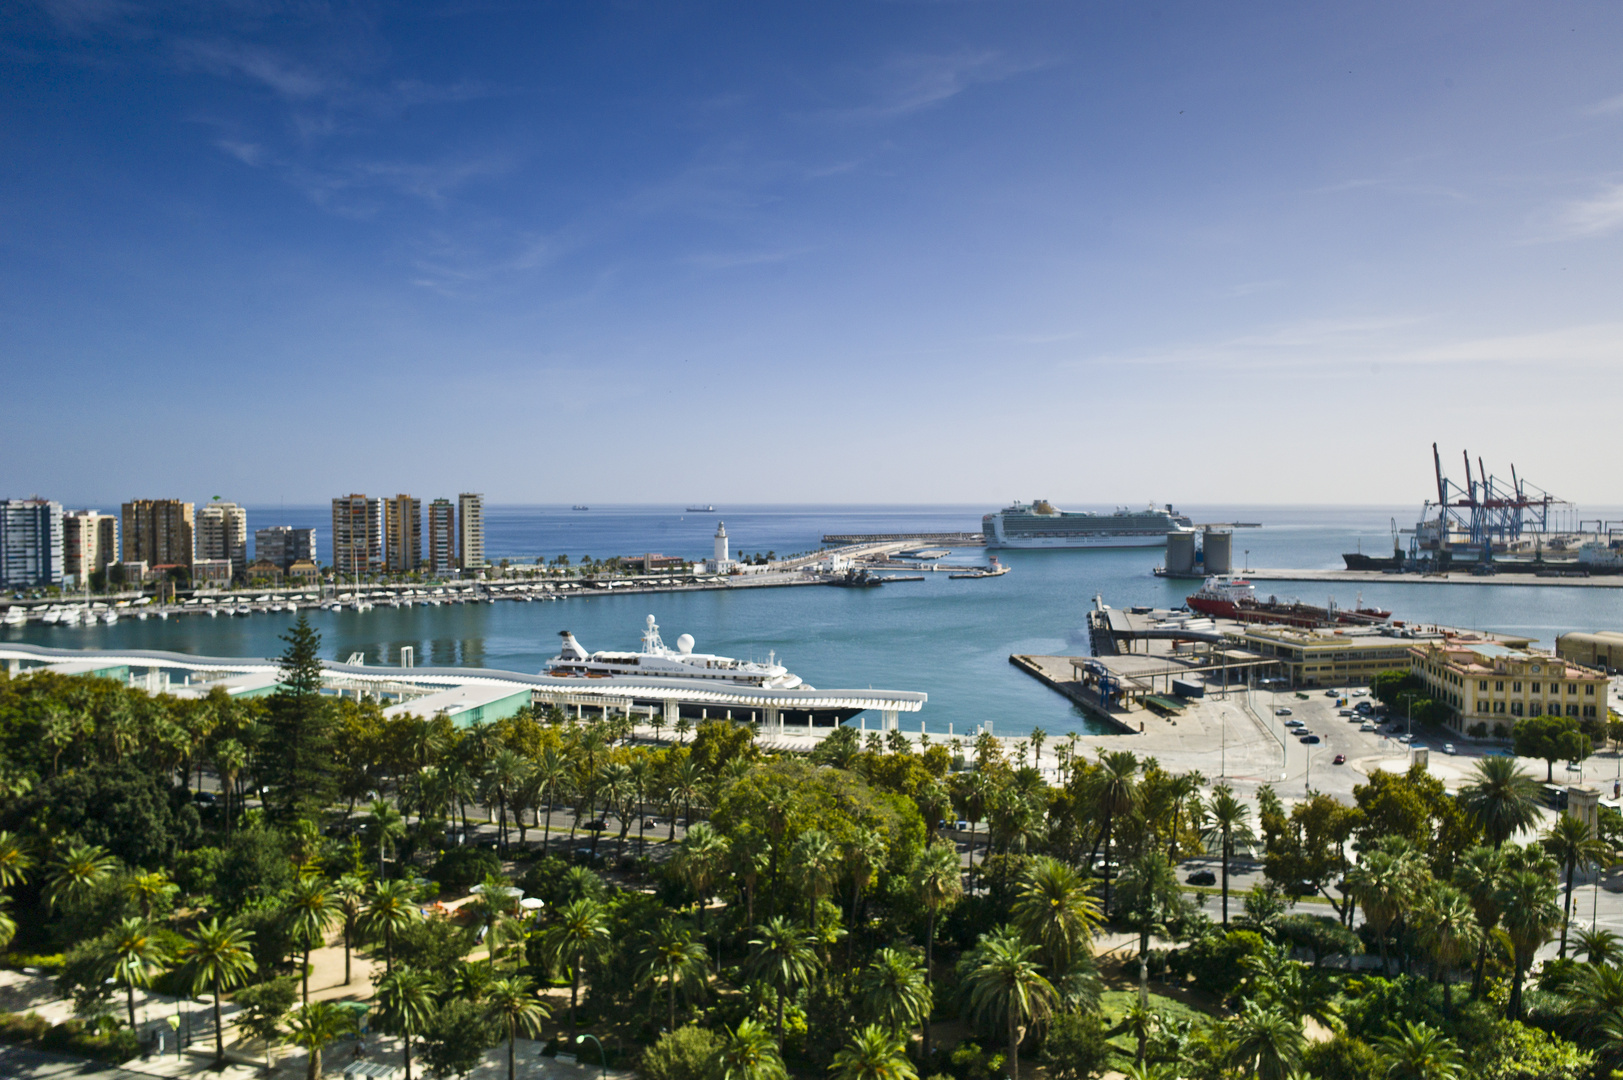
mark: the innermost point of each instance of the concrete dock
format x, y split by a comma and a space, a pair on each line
1453, 577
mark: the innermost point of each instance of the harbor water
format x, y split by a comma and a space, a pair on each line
949, 639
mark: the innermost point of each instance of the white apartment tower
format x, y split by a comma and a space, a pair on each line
30, 543
222, 533
470, 537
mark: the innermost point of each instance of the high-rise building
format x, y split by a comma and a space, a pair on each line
158, 532
441, 536
89, 543
470, 537
403, 534
284, 545
30, 543
222, 533
357, 535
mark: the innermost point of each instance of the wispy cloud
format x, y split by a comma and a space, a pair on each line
1610, 105
727, 260
1341, 345
284, 76
908, 84
1600, 213
246, 152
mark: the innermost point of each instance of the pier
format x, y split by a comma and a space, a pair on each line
950, 539
1451, 577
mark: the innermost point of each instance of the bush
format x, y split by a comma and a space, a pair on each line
460, 867
1478, 730
102, 1040
1342, 1058
1215, 961
20, 1028
1321, 935
1075, 1047
683, 1054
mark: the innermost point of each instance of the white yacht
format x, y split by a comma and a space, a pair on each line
656, 660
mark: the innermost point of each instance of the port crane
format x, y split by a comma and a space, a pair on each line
1486, 513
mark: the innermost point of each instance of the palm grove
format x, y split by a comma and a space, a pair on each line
786, 913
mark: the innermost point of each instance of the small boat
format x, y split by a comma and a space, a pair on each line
580, 508
997, 569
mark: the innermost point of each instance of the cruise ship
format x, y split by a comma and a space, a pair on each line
657, 660
1042, 525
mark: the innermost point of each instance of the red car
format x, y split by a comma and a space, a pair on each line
1340, 759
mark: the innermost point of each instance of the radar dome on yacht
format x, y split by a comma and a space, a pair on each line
684, 644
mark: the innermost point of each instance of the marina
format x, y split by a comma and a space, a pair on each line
946, 637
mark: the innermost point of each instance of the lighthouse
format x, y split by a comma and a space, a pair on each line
720, 563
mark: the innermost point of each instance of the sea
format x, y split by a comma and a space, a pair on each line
950, 639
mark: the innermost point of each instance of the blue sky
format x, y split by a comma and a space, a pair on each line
886, 252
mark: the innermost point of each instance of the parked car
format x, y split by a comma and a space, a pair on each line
1344, 712
1448, 748
1309, 737
1405, 738
1282, 712
1339, 759
1332, 693
596, 825
1295, 723
1202, 877
1366, 726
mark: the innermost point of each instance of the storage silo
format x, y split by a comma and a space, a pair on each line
1181, 553
1219, 546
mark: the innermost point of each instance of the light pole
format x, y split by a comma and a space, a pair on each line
602, 1058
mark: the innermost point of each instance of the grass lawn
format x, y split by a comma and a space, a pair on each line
1113, 1005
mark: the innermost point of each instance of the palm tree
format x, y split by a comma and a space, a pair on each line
1056, 911
1528, 900
1420, 1052
311, 909
389, 910
1594, 994
405, 1002
14, 861
864, 853
894, 992
315, 1025
1382, 882
552, 769
748, 1052
76, 872
1268, 1042
1502, 801
782, 954
131, 955
1447, 928
1573, 844
641, 774
873, 1054
349, 897
1006, 985
515, 1005
216, 958
386, 825
938, 876
1228, 822
8, 925
672, 956
1598, 946
1114, 797
700, 860
1478, 875
504, 774
148, 889
814, 857
684, 787
581, 932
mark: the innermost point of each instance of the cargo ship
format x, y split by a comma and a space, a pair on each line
1042, 525
1224, 597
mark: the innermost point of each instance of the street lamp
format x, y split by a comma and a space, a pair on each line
602, 1058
